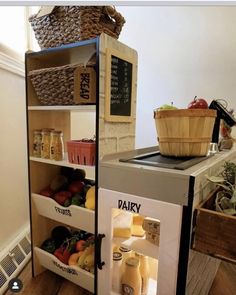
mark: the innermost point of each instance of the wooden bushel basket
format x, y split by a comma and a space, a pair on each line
183, 133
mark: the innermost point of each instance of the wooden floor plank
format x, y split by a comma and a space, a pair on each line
49, 283
225, 280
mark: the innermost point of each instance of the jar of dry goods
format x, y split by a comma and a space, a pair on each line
37, 142
45, 147
56, 146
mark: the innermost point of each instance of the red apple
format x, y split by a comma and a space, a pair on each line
47, 192
62, 196
76, 187
198, 103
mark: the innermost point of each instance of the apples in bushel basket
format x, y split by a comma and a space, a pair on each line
198, 103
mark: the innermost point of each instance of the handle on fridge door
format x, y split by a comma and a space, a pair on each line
100, 263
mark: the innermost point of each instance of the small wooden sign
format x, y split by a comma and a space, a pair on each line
85, 85
119, 91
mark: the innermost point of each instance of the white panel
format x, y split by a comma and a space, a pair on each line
75, 274
170, 217
73, 215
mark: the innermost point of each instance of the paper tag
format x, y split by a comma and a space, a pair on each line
45, 10
85, 85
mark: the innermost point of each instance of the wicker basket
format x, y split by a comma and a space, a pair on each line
183, 133
55, 85
68, 24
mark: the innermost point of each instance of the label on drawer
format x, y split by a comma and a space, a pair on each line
65, 269
63, 211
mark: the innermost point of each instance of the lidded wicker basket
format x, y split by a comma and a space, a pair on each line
68, 24
183, 133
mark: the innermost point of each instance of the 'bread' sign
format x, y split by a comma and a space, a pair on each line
85, 85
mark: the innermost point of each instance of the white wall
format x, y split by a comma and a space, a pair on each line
183, 52
14, 208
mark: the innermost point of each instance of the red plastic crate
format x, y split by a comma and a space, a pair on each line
81, 152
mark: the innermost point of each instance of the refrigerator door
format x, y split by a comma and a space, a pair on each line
166, 253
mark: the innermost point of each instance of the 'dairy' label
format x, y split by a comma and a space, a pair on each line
127, 290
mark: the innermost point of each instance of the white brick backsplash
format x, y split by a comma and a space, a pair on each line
126, 143
107, 146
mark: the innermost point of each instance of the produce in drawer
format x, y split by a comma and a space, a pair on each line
90, 198
47, 192
122, 225
71, 188
73, 248
76, 186
62, 196
59, 182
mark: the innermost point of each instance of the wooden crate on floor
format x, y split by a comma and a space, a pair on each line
214, 232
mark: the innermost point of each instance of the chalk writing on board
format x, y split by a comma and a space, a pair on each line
121, 87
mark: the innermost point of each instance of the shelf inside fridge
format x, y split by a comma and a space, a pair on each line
140, 245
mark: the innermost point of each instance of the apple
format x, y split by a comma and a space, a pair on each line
80, 245
76, 186
47, 192
198, 103
62, 196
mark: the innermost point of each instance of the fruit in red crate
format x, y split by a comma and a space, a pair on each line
62, 196
47, 192
76, 186
198, 103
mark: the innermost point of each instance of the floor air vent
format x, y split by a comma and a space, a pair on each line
3, 279
25, 245
8, 265
18, 255
13, 259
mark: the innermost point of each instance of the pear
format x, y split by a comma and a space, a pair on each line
167, 107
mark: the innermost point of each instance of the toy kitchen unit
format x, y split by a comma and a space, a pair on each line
141, 186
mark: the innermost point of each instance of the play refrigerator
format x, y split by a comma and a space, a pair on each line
145, 221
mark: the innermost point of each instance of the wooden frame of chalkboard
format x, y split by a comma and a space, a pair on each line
119, 87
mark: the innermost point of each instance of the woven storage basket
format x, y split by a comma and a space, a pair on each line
55, 85
68, 24
183, 133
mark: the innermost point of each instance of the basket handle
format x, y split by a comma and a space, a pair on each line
118, 18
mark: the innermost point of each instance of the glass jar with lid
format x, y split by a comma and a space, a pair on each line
37, 142
45, 147
56, 146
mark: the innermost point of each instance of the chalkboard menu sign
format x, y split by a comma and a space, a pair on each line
119, 88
